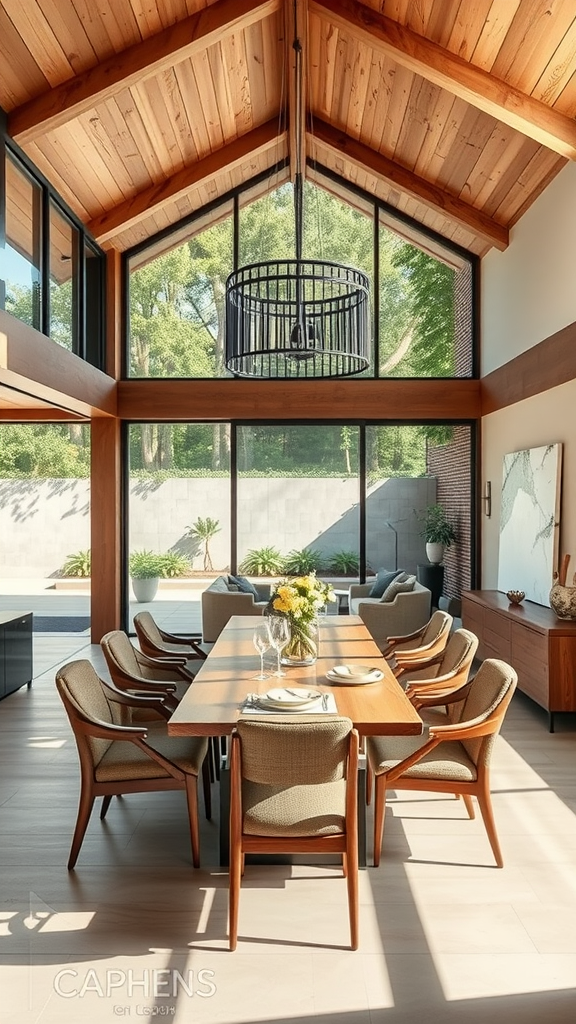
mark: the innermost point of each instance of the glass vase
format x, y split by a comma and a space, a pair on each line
302, 648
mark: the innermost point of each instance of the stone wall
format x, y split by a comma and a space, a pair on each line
42, 522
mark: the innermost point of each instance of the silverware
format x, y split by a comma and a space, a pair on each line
325, 702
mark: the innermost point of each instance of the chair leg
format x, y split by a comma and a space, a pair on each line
379, 811
351, 859
192, 799
105, 805
84, 812
236, 871
485, 802
206, 786
469, 805
369, 782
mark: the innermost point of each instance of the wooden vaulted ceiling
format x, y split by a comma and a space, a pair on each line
455, 112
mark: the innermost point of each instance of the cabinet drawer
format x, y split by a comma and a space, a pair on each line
528, 644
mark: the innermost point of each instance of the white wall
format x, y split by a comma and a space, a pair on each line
529, 293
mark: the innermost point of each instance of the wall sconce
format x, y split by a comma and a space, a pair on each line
487, 498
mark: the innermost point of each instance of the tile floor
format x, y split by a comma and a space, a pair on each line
445, 936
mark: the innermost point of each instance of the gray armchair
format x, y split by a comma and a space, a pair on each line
405, 614
223, 599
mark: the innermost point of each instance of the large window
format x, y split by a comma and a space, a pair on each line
421, 290
51, 273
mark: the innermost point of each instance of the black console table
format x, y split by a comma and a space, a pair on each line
15, 651
432, 577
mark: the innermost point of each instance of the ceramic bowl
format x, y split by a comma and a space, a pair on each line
515, 596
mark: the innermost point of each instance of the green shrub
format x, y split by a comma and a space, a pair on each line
262, 562
344, 563
302, 563
77, 564
145, 565
174, 565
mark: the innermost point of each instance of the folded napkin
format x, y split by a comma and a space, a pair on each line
326, 706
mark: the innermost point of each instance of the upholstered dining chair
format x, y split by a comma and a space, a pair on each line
294, 789
118, 757
423, 644
133, 671
454, 757
158, 643
444, 673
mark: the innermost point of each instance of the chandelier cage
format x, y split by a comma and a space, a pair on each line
297, 317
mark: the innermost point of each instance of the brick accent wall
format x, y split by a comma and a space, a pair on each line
451, 464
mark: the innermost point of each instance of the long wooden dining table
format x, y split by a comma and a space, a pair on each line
217, 697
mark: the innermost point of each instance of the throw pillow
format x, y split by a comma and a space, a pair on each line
244, 585
398, 587
383, 581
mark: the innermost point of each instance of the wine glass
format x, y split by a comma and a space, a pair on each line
262, 643
279, 631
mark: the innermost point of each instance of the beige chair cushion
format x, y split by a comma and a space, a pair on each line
127, 761
296, 811
448, 761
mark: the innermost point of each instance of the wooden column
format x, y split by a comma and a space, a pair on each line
106, 526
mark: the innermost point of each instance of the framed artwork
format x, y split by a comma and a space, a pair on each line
529, 521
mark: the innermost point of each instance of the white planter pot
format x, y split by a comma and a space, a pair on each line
145, 589
435, 553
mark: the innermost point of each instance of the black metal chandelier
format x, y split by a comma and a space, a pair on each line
297, 318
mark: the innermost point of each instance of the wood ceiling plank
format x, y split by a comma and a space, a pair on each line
128, 103
373, 101
444, 20
359, 65
537, 174
465, 29
21, 76
420, 108
178, 42
208, 101
499, 151
235, 60
446, 140
255, 60
490, 94
423, 190
556, 76
274, 69
496, 201
322, 56
123, 144
178, 115
533, 37
493, 33
135, 209
159, 123
184, 73
474, 132
394, 110
440, 116
222, 91
48, 53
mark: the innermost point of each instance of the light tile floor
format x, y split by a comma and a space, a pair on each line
446, 938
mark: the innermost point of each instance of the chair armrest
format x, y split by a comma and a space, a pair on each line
359, 590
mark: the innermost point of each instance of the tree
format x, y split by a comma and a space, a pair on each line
205, 530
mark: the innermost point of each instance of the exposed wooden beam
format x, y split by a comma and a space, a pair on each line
525, 114
258, 141
33, 364
183, 40
544, 366
217, 400
420, 189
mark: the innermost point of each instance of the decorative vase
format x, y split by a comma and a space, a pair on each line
302, 647
563, 600
434, 553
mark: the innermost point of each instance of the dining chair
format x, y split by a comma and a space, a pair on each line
423, 644
444, 673
118, 757
294, 790
133, 671
454, 758
158, 643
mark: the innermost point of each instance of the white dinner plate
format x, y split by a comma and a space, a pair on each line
354, 675
289, 697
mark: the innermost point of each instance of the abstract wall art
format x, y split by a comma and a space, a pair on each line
529, 521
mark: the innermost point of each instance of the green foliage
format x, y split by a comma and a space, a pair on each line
344, 563
145, 565
50, 451
204, 530
303, 562
265, 561
174, 565
78, 564
435, 526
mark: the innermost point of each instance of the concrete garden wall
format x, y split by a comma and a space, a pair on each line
42, 522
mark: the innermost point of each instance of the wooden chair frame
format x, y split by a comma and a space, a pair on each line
190, 648
84, 726
418, 654
482, 727
345, 843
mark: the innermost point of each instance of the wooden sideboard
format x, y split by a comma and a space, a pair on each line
531, 638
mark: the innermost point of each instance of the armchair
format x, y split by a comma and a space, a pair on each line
133, 671
118, 758
405, 614
455, 758
158, 643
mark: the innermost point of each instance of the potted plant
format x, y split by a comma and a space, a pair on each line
145, 571
437, 531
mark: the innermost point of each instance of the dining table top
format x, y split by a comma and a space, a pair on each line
215, 700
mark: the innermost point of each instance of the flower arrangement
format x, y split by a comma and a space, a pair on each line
299, 599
